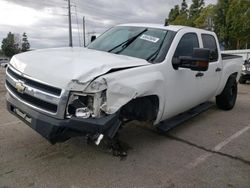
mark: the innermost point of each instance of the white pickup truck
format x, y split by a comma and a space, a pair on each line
142, 72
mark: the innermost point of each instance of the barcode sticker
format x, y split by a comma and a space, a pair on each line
149, 38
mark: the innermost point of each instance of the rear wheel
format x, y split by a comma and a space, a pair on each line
226, 100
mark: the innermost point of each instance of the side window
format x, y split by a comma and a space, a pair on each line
186, 45
210, 43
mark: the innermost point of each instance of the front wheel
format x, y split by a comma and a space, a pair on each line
226, 100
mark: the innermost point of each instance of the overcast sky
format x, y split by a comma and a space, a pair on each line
46, 23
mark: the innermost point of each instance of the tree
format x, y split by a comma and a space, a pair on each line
205, 18
174, 12
184, 7
221, 26
25, 43
230, 19
196, 8
232, 23
9, 46
238, 24
182, 17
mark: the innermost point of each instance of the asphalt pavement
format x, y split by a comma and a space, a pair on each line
210, 150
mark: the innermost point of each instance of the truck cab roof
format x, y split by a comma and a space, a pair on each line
174, 28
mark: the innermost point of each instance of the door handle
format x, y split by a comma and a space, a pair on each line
217, 69
199, 74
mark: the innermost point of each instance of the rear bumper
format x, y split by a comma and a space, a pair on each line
59, 130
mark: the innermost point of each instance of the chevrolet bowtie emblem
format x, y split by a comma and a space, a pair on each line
20, 87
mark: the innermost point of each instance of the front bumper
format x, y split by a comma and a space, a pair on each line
245, 75
59, 130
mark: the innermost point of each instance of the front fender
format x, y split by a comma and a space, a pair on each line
123, 86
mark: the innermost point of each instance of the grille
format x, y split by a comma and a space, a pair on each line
34, 84
32, 100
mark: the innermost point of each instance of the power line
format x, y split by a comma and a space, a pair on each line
79, 38
70, 26
84, 31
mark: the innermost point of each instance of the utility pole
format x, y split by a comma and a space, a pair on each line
70, 27
84, 30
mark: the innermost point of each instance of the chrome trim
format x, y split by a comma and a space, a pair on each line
28, 77
60, 101
32, 106
34, 92
60, 110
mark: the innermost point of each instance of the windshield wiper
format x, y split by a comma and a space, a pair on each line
153, 56
126, 43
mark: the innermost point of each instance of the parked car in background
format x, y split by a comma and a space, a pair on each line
4, 62
245, 74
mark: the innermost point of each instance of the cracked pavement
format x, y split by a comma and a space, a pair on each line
210, 150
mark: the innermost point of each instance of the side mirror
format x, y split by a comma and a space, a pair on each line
93, 37
199, 61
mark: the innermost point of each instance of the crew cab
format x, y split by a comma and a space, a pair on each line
144, 72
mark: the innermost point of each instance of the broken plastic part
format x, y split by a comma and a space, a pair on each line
99, 139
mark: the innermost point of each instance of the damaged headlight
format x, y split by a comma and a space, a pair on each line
90, 103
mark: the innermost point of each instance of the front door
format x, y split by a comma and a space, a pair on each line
182, 85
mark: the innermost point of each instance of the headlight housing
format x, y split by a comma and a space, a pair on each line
89, 103
243, 67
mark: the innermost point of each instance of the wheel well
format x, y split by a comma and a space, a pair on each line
233, 75
141, 109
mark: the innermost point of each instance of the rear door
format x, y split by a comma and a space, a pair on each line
209, 82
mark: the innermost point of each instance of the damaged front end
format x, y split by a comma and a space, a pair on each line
84, 115
91, 103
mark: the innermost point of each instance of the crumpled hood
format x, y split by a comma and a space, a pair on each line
59, 66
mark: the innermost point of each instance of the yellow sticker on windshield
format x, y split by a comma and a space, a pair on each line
149, 38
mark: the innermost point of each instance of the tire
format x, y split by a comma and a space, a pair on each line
226, 100
242, 81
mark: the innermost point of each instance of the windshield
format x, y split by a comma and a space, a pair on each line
145, 43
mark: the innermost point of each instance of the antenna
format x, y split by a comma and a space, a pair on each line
166, 23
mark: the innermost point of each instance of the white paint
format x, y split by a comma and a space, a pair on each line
217, 148
228, 140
